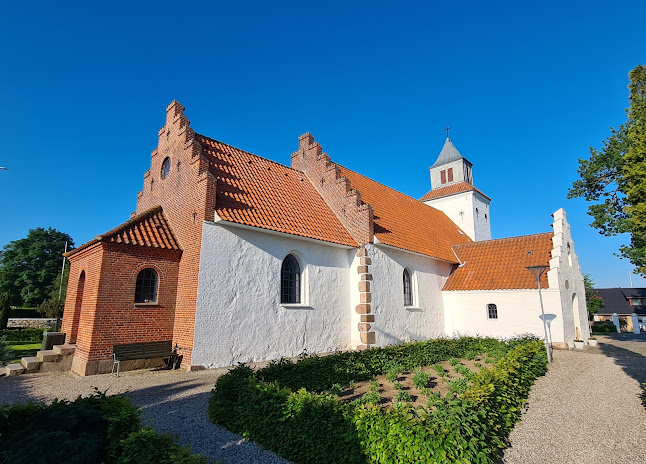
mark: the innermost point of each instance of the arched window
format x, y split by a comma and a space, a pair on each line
492, 311
146, 289
408, 289
290, 280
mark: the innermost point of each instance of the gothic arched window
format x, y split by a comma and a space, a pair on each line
408, 289
290, 280
146, 288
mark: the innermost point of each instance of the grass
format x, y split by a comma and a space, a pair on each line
22, 349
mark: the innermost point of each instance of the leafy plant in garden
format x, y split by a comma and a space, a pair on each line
421, 378
336, 389
391, 376
440, 370
398, 386
464, 371
454, 361
458, 385
403, 396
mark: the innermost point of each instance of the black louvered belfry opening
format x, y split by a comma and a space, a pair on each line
408, 290
290, 281
146, 289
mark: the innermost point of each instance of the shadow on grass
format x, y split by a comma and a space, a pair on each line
22, 349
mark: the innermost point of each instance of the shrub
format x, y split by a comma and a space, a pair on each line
22, 335
454, 361
391, 376
398, 386
464, 371
457, 385
421, 379
309, 427
371, 397
403, 396
148, 447
336, 389
440, 370
97, 428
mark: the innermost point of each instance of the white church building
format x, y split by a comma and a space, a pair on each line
236, 258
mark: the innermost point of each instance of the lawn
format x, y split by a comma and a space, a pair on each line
22, 349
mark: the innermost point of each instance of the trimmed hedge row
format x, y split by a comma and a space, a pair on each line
309, 427
98, 428
22, 335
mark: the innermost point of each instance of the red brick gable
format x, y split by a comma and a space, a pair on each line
500, 264
258, 192
451, 190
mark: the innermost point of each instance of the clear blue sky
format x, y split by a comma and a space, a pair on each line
526, 87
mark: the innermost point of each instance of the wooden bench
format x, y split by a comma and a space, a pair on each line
147, 350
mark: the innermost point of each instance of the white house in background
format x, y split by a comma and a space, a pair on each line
237, 258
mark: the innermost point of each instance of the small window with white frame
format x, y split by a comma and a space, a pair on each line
492, 311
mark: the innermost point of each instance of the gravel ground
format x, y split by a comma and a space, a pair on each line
172, 401
587, 408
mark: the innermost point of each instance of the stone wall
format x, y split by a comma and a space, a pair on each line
31, 323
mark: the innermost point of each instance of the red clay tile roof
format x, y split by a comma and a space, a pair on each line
404, 222
258, 192
451, 190
149, 229
500, 264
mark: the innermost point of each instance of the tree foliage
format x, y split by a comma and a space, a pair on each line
592, 298
614, 178
29, 266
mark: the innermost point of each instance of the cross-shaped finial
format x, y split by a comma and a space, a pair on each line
447, 131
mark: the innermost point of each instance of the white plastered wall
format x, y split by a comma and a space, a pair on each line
461, 209
239, 317
519, 312
565, 275
393, 322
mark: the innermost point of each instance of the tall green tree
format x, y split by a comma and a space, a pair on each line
614, 178
30, 266
592, 299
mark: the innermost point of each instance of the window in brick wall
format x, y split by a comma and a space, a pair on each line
290, 280
492, 311
146, 288
165, 169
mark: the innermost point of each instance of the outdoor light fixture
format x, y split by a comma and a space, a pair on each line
537, 271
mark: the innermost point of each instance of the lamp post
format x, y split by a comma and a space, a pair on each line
537, 271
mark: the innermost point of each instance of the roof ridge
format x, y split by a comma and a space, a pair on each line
249, 153
501, 239
377, 182
133, 220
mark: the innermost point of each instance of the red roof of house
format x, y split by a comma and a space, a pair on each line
500, 264
404, 222
451, 190
149, 229
258, 192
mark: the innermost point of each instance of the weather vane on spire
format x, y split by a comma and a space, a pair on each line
447, 132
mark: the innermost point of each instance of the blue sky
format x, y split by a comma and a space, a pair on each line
525, 87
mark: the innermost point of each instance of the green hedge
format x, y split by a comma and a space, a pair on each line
22, 335
310, 427
603, 328
98, 428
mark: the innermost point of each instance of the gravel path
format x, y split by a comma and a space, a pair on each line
587, 408
173, 401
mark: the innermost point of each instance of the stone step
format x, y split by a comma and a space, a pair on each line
30, 363
64, 349
47, 355
14, 369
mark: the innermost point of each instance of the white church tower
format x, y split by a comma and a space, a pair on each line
452, 192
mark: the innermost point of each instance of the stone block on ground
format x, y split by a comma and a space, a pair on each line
64, 349
47, 355
31, 363
14, 369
